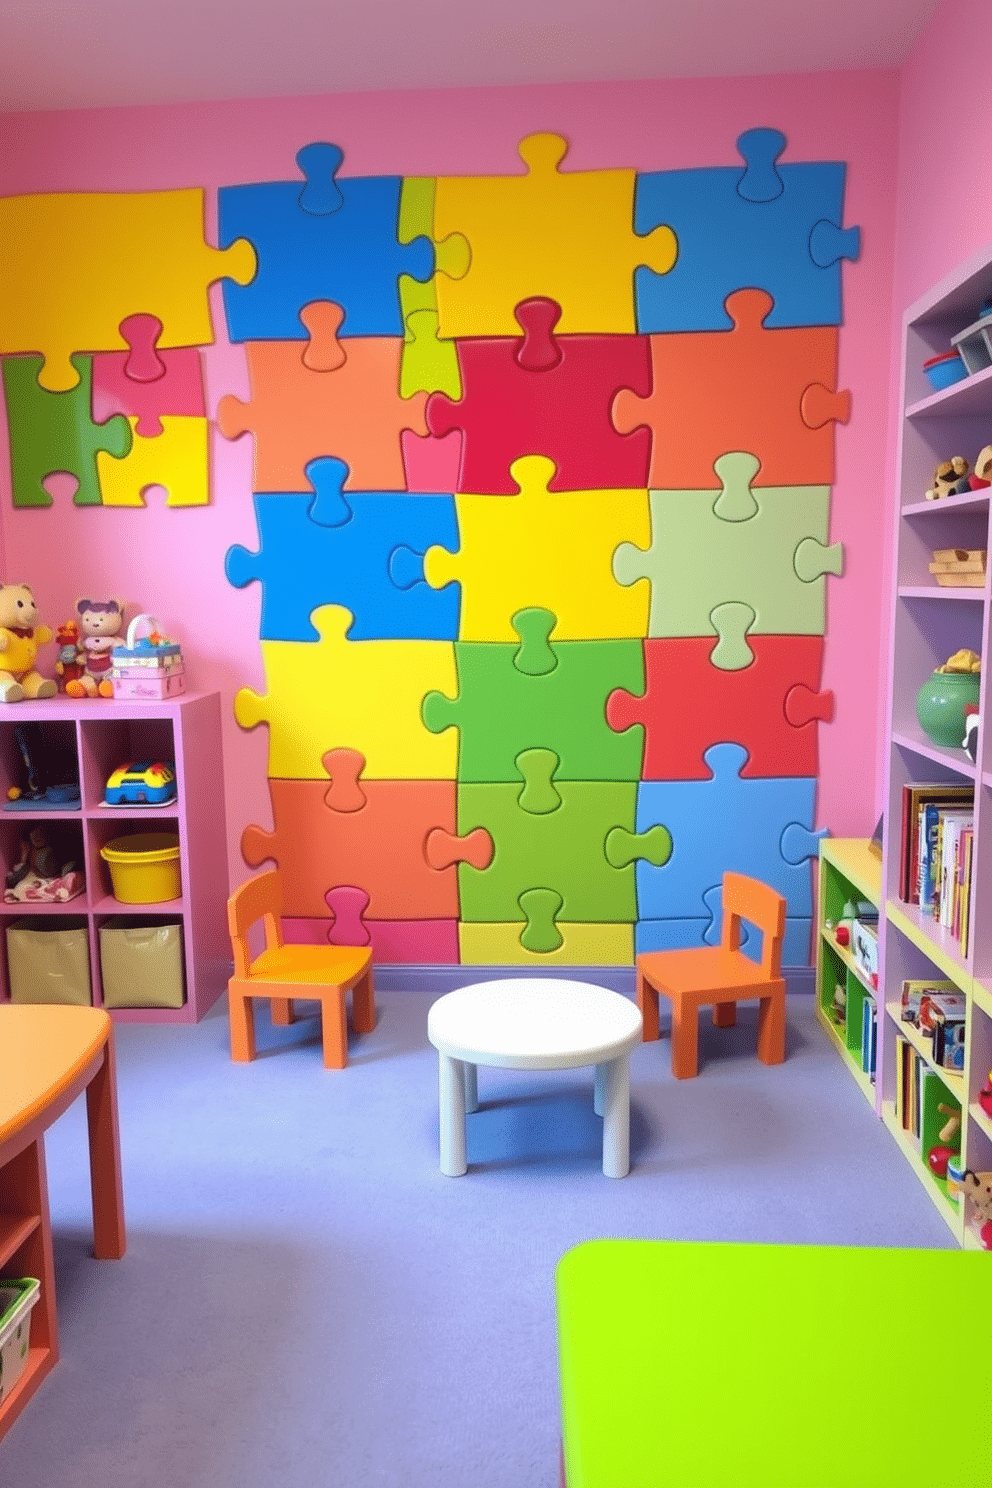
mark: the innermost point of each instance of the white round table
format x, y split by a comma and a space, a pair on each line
540, 1024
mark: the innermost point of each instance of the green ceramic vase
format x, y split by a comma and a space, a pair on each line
940, 705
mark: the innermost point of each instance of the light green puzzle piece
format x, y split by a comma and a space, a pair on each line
773, 561
429, 364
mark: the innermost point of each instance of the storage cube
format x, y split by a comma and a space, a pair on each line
48, 960
141, 963
17, 1298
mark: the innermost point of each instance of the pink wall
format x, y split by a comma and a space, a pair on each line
171, 562
943, 207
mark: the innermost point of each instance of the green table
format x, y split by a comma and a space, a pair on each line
714, 1365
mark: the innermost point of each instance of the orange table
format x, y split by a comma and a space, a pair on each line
48, 1057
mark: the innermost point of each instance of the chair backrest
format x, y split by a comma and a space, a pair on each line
749, 899
257, 899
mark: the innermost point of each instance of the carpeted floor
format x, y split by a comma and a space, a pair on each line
305, 1301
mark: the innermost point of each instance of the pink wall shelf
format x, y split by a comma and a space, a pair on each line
101, 735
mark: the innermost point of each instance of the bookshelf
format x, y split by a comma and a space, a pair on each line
848, 871
929, 622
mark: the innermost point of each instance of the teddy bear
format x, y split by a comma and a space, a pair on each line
20, 637
99, 622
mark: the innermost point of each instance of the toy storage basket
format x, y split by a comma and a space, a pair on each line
48, 960
17, 1298
144, 869
141, 963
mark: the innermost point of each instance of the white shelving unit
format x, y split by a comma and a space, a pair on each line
100, 735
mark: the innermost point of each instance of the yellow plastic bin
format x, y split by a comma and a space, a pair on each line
144, 869
49, 960
141, 963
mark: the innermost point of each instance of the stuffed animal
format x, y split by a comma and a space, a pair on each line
950, 478
68, 666
99, 623
972, 720
20, 637
978, 1187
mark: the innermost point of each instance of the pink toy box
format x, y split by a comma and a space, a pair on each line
148, 665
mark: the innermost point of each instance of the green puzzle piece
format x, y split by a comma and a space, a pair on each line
540, 695
541, 934
52, 432
765, 548
429, 364
583, 851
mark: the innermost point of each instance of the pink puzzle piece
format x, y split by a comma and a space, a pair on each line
542, 394
145, 383
771, 707
393, 942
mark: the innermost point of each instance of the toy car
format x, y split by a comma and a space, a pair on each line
141, 784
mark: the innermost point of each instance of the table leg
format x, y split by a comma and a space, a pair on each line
616, 1117
598, 1089
109, 1239
471, 1086
451, 1105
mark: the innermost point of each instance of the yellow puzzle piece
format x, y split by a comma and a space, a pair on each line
177, 459
565, 234
552, 549
75, 264
364, 695
582, 945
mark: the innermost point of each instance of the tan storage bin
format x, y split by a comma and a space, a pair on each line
48, 960
141, 963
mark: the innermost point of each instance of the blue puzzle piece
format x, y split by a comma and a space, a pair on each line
727, 824
790, 243
319, 238
689, 935
329, 548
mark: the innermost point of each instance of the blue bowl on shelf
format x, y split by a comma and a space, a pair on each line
944, 370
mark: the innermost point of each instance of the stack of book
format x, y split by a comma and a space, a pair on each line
935, 867
921, 1094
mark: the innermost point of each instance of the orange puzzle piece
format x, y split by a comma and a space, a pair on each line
325, 397
373, 834
767, 391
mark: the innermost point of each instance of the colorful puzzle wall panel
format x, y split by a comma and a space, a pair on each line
541, 476
534, 715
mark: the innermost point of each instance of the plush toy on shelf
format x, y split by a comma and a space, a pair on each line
20, 637
978, 1187
99, 622
47, 870
68, 666
950, 478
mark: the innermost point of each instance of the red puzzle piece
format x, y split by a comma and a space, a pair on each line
769, 707
542, 395
767, 391
145, 383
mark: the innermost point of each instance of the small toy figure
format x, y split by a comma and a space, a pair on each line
970, 741
978, 1187
99, 622
982, 475
985, 1096
68, 666
950, 478
20, 637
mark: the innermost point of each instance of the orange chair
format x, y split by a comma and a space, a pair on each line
722, 976
324, 973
